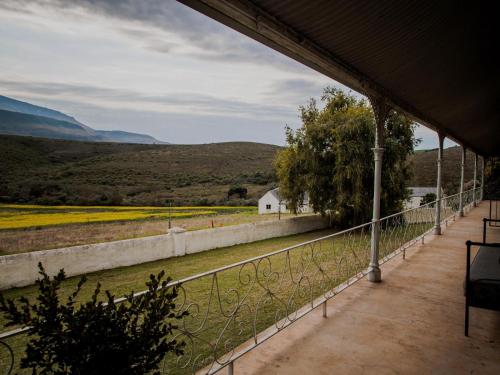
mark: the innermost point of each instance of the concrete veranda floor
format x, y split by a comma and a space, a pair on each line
411, 323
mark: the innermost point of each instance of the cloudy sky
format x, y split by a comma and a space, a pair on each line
154, 67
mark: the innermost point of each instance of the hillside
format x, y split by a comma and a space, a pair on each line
38, 170
13, 105
15, 123
41, 170
21, 118
425, 168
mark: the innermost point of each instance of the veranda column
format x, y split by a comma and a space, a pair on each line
380, 110
437, 227
475, 177
482, 178
461, 204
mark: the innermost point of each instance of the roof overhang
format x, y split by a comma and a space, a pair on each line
434, 60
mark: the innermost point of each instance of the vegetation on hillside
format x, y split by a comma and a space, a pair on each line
45, 171
330, 158
424, 164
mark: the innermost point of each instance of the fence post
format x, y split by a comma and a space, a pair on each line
461, 204
381, 111
437, 227
179, 240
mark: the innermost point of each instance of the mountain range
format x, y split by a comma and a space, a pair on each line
25, 119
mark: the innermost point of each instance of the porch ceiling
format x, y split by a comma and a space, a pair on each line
435, 60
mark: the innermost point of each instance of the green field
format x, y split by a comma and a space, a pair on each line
264, 291
15, 216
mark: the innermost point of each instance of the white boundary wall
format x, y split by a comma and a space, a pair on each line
22, 269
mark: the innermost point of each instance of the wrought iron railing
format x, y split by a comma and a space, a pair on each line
235, 308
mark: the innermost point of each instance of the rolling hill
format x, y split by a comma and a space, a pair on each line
21, 118
425, 168
49, 171
38, 170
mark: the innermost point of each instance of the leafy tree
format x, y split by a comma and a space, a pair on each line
492, 179
96, 338
331, 158
428, 198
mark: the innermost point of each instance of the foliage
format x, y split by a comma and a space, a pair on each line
240, 191
330, 157
428, 198
96, 337
492, 178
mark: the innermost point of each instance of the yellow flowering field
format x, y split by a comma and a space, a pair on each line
16, 216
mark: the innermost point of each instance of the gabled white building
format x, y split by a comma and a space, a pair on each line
272, 203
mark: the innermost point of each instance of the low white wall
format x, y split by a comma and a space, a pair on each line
22, 269
205, 239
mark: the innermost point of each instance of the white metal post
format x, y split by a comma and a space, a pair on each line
380, 110
461, 206
475, 178
437, 227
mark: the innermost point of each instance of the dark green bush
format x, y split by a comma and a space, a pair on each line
428, 198
94, 337
240, 191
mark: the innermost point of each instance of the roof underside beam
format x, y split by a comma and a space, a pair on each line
247, 18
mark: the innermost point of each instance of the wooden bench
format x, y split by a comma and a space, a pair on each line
482, 277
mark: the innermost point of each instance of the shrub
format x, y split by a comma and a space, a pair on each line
95, 337
116, 199
240, 191
428, 198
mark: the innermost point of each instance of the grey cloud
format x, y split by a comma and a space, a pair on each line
188, 101
297, 91
212, 40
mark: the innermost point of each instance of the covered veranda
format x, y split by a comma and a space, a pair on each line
436, 62
432, 60
411, 323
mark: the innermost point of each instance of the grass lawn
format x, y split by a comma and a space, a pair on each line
260, 292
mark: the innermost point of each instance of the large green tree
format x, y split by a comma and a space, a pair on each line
331, 158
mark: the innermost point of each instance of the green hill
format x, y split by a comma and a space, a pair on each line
48, 171
425, 168
38, 170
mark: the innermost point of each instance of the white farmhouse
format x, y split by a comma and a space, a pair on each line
417, 194
272, 203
